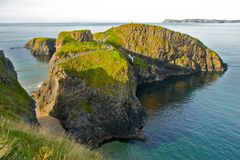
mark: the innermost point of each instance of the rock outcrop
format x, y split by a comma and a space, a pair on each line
15, 103
91, 87
159, 53
42, 46
93, 96
73, 36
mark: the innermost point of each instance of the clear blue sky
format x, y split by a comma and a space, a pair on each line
115, 10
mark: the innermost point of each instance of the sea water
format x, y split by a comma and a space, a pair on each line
189, 117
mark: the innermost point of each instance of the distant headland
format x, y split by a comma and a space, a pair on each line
171, 21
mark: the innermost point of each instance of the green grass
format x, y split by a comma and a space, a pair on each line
15, 103
144, 43
70, 36
100, 69
21, 141
78, 47
100, 36
139, 62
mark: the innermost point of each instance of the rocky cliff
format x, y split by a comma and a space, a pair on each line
91, 90
92, 84
15, 103
157, 52
42, 46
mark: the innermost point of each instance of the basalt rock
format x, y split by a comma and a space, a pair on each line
15, 103
42, 46
91, 87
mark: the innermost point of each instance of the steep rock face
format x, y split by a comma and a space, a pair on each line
15, 103
93, 96
73, 36
41, 46
161, 52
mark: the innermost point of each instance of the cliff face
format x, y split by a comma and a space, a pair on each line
15, 103
91, 84
161, 52
41, 46
92, 92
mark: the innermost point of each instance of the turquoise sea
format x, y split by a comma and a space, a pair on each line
189, 118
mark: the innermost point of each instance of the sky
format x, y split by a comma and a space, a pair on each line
115, 10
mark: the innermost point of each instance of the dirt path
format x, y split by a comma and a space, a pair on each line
50, 123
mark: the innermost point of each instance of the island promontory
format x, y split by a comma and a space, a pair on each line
92, 81
41, 46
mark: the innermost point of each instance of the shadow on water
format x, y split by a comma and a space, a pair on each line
166, 104
42, 58
160, 95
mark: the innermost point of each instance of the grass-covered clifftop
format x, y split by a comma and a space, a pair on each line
79, 47
164, 45
73, 36
103, 69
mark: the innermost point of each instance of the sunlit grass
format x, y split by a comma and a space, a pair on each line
22, 141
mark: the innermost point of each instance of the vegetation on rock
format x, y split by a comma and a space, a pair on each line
164, 45
15, 103
79, 47
91, 87
73, 36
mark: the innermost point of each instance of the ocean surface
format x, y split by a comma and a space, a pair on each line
189, 117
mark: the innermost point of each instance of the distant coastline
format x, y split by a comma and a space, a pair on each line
173, 21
